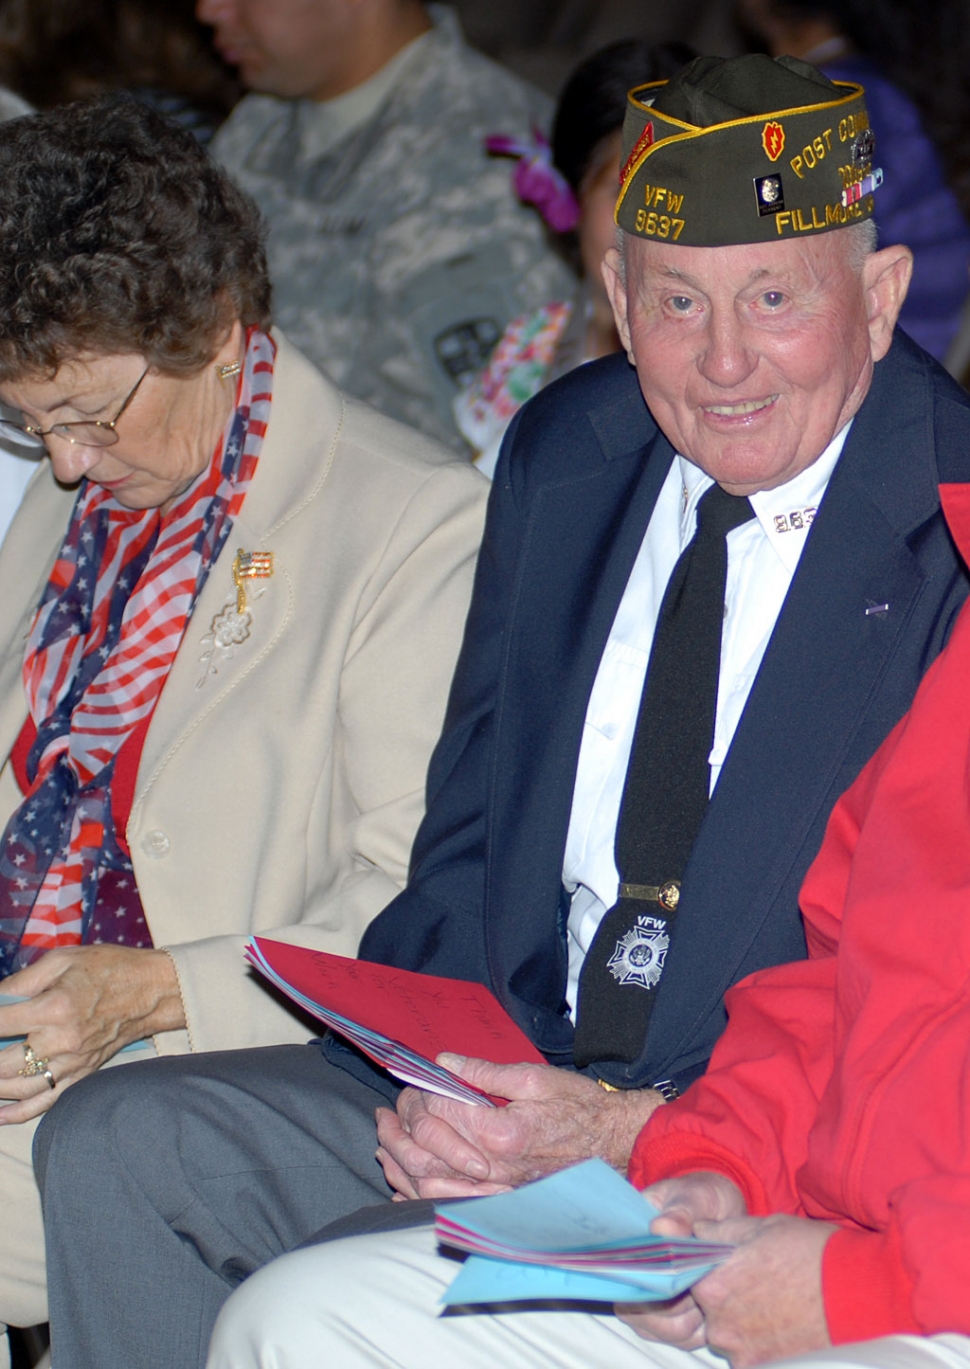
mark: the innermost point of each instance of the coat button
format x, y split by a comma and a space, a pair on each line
155, 845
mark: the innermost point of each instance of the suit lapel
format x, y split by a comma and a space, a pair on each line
582, 539
822, 667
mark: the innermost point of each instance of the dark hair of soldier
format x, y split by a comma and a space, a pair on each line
923, 48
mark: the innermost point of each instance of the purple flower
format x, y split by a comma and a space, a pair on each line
536, 180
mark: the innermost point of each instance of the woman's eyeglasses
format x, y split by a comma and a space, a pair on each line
85, 433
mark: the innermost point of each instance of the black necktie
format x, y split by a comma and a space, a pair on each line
664, 796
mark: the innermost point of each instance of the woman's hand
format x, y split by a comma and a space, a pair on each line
84, 1003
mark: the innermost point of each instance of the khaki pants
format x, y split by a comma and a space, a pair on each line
371, 1302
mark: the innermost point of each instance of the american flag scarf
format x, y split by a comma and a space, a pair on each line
102, 642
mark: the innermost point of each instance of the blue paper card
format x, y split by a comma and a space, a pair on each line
487, 1280
583, 1233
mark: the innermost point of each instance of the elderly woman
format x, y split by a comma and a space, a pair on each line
231, 605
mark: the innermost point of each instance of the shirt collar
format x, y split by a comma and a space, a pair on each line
785, 513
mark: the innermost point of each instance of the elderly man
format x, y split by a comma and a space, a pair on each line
397, 248
608, 847
827, 1141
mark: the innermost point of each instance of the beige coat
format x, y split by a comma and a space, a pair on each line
280, 791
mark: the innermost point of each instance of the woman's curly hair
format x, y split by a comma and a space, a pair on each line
118, 233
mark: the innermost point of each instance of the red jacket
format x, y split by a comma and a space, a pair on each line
841, 1088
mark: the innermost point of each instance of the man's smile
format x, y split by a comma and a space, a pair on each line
741, 409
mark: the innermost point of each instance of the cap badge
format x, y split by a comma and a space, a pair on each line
773, 140
863, 146
644, 141
769, 194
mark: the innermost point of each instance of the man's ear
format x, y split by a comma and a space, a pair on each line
885, 280
614, 280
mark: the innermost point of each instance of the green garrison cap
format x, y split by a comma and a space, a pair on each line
745, 149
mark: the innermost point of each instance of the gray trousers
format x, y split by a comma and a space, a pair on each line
165, 1185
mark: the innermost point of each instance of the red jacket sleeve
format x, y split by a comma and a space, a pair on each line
912, 1277
866, 1286
750, 1115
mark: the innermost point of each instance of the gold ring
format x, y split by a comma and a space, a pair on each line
34, 1064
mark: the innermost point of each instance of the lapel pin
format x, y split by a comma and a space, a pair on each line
230, 627
249, 565
876, 610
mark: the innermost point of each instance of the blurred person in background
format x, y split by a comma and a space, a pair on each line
573, 183
233, 603
54, 51
397, 250
913, 59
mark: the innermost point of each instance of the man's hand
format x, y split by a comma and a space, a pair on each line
685, 1203
765, 1302
433, 1147
83, 1004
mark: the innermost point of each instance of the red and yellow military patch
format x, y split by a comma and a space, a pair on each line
644, 141
773, 139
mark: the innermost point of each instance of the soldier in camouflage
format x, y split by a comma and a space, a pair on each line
397, 249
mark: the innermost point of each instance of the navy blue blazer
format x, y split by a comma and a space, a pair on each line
580, 473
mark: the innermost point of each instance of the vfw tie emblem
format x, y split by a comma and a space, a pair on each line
640, 953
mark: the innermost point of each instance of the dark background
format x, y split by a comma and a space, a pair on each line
543, 39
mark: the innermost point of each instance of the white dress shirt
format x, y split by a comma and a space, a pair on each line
763, 555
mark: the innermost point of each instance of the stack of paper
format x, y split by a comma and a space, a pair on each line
399, 1019
582, 1234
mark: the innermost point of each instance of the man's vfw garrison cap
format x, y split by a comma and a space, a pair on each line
745, 149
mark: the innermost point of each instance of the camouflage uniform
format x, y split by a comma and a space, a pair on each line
398, 252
